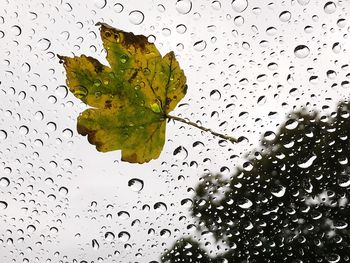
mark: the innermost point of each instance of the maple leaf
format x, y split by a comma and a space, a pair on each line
130, 99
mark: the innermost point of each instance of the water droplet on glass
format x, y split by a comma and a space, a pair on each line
239, 5
301, 51
23, 130
109, 236
118, 7
44, 44
160, 207
183, 6
123, 215
285, 16
215, 95
180, 153
181, 28
200, 45
307, 163
278, 191
124, 236
3, 205
100, 3
136, 17
4, 182
61, 91
95, 244
245, 203
135, 184
63, 191
330, 7
3, 135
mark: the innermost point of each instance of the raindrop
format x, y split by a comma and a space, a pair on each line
215, 95
160, 207
301, 51
123, 215
248, 166
135, 184
269, 136
136, 17
285, 16
118, 7
239, 5
165, 233
109, 236
95, 244
4, 182
3, 135
39, 115
344, 181
61, 91
200, 45
180, 153
308, 162
181, 28
100, 3
279, 191
63, 191
124, 236
330, 8
23, 130
44, 44
67, 133
291, 124
183, 6
3, 205
345, 84
245, 203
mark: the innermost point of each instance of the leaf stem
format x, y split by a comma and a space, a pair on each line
225, 137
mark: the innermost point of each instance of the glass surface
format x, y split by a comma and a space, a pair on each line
275, 75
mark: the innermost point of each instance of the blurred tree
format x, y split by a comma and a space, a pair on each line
290, 203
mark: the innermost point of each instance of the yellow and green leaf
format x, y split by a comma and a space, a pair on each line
130, 98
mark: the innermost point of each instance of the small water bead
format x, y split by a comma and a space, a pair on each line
124, 236
44, 44
136, 184
301, 51
61, 91
165, 233
63, 191
118, 7
109, 236
100, 4
24, 130
123, 215
181, 28
160, 207
285, 16
136, 17
239, 20
330, 7
180, 153
4, 182
3, 205
3, 135
95, 244
183, 6
215, 95
239, 5
67, 133
200, 45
